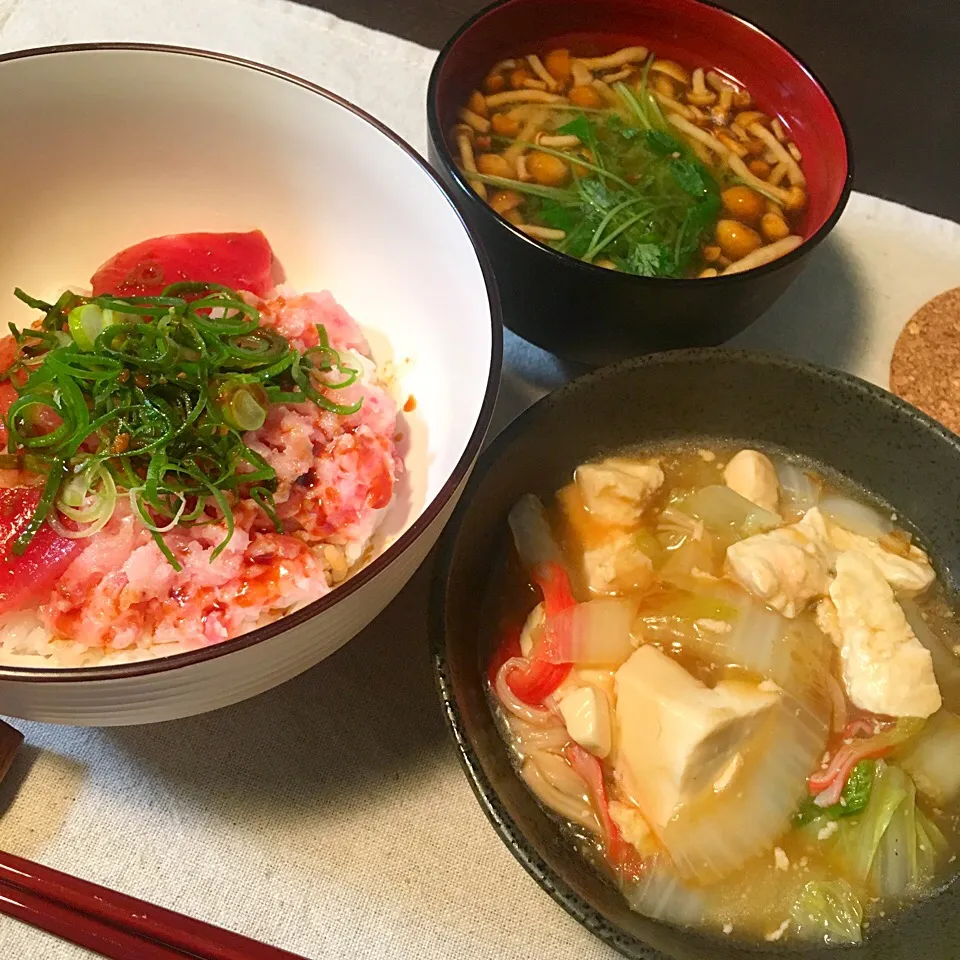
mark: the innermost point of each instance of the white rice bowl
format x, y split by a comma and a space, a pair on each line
346, 208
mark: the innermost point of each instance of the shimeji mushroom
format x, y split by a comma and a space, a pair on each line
529, 83
542, 233
523, 96
761, 186
474, 120
556, 140
582, 76
721, 111
701, 136
763, 255
623, 74
467, 161
777, 174
719, 83
703, 154
536, 65
794, 151
614, 60
726, 91
777, 129
794, 173
671, 69
607, 92
731, 144
700, 96
528, 131
746, 117
674, 105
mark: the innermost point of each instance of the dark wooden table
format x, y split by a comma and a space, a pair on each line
893, 67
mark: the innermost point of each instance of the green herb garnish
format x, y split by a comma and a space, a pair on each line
152, 396
856, 794
639, 196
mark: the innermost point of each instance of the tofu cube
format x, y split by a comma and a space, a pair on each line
754, 477
786, 568
586, 715
617, 565
676, 737
886, 669
618, 490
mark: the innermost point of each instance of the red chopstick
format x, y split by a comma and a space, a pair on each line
113, 924
64, 923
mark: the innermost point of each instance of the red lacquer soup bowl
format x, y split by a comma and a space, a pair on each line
581, 311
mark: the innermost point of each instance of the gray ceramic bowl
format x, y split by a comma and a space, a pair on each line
854, 427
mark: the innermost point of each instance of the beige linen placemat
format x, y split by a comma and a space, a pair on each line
330, 816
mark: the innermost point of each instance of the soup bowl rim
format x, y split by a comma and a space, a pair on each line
478, 208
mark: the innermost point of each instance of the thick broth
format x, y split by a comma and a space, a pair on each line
754, 903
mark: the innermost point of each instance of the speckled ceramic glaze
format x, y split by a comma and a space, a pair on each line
854, 427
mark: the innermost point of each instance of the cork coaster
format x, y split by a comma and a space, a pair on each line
925, 367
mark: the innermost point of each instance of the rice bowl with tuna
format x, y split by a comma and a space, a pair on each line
189, 452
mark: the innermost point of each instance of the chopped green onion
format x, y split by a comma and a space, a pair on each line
80, 502
152, 396
244, 411
86, 323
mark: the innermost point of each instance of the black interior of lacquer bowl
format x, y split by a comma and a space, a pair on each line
854, 427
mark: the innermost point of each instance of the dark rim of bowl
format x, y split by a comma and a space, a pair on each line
488, 798
469, 196
430, 512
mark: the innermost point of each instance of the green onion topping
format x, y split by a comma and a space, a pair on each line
152, 396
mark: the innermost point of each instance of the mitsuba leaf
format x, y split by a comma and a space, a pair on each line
616, 125
646, 260
558, 215
690, 177
578, 127
663, 144
595, 194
